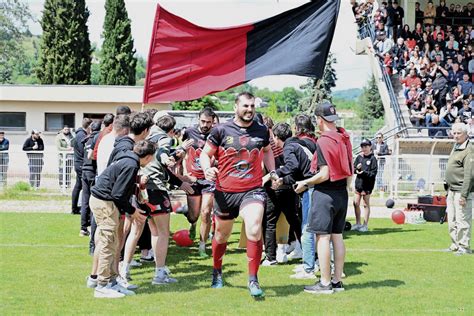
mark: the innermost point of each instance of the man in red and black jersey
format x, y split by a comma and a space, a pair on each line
240, 146
201, 201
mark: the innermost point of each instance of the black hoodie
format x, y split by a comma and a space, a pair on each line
122, 144
297, 154
117, 182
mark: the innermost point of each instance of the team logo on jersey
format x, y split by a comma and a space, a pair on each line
197, 164
229, 140
368, 162
244, 140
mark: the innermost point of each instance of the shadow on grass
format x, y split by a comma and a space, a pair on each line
352, 268
378, 231
375, 284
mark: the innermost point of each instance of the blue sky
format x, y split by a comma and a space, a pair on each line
353, 71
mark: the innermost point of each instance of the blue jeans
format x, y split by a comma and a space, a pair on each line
307, 239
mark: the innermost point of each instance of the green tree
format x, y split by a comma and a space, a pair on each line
317, 90
370, 102
118, 63
65, 49
198, 104
14, 17
140, 71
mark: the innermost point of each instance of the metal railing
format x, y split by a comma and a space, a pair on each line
41, 169
367, 31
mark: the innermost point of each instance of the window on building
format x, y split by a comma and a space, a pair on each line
56, 121
95, 116
12, 121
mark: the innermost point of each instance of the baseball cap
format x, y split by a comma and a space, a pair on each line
365, 142
327, 111
158, 115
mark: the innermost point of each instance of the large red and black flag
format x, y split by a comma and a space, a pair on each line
187, 61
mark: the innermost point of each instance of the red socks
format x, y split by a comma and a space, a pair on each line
218, 251
254, 255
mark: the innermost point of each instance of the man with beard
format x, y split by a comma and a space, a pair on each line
240, 146
200, 202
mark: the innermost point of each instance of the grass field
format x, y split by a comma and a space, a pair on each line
390, 270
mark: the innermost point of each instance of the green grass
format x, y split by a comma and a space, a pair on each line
22, 191
390, 270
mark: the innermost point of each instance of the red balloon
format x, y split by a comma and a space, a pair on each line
181, 238
175, 205
398, 217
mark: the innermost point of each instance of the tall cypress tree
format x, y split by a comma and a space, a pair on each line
117, 66
65, 49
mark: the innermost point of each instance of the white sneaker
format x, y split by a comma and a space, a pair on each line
124, 283
268, 263
303, 275
134, 263
281, 255
107, 292
291, 247
298, 268
364, 229
356, 227
91, 283
162, 276
119, 288
297, 253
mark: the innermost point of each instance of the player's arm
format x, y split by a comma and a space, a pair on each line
268, 158
205, 159
320, 177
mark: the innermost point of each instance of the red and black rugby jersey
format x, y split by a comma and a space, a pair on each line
239, 152
193, 166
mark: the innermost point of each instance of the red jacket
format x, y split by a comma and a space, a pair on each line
337, 151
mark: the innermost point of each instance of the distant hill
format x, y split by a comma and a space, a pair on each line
349, 94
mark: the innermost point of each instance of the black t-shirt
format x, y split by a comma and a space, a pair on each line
239, 152
328, 185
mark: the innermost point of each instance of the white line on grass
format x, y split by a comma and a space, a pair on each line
42, 246
349, 250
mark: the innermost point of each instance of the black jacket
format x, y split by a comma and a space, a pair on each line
89, 167
122, 144
79, 148
28, 146
118, 181
297, 163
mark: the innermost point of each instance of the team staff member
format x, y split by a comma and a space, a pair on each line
460, 181
240, 146
202, 200
111, 195
366, 170
333, 165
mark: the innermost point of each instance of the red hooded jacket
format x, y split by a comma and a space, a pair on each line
337, 150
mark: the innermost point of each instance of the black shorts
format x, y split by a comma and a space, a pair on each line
228, 205
203, 186
158, 203
328, 212
364, 186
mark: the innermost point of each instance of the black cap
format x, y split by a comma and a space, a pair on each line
365, 142
327, 111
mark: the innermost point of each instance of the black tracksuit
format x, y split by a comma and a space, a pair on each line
296, 167
78, 161
118, 181
89, 171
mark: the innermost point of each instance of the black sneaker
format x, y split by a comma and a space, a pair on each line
318, 288
337, 287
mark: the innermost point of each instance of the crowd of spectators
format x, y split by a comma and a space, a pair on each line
434, 62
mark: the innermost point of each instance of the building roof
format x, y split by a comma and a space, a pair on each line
72, 93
